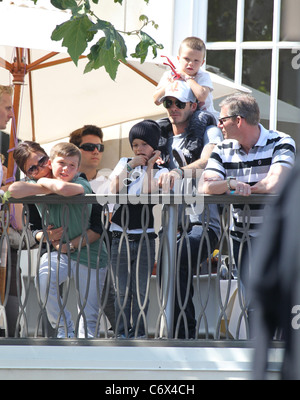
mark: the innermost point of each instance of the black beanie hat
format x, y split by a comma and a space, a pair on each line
148, 131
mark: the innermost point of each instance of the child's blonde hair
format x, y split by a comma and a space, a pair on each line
193, 43
65, 149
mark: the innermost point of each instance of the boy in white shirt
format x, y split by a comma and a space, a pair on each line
133, 264
190, 59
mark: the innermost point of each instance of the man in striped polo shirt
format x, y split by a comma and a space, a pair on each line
250, 160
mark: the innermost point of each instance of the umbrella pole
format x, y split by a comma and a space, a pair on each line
18, 71
31, 98
12, 138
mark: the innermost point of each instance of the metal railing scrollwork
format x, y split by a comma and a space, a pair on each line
219, 298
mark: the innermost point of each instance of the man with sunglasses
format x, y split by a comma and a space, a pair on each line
251, 160
188, 137
187, 131
89, 139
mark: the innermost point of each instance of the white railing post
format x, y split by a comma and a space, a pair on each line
169, 270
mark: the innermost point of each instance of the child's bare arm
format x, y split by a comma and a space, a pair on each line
158, 94
200, 92
160, 90
22, 189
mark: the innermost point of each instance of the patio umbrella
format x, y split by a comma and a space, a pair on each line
53, 97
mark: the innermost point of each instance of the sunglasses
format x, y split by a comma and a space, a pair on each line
222, 120
33, 170
92, 147
179, 104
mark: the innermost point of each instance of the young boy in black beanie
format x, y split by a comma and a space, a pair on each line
132, 266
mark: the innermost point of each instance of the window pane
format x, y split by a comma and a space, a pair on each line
289, 76
221, 62
290, 11
257, 69
221, 21
290, 129
289, 93
258, 20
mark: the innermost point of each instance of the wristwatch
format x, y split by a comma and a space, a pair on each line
72, 248
228, 181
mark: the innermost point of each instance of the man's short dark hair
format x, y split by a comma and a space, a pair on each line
77, 135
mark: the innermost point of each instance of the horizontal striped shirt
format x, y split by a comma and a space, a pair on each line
229, 159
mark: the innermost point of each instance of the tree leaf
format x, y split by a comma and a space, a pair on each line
141, 50
75, 33
113, 38
100, 56
110, 50
64, 4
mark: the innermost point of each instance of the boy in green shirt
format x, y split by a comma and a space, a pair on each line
64, 162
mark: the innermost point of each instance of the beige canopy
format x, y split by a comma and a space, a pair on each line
54, 97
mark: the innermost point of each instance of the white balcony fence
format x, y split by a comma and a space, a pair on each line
221, 311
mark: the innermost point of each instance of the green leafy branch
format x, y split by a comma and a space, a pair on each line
110, 49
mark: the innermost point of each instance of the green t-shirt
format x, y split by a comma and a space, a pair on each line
75, 216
